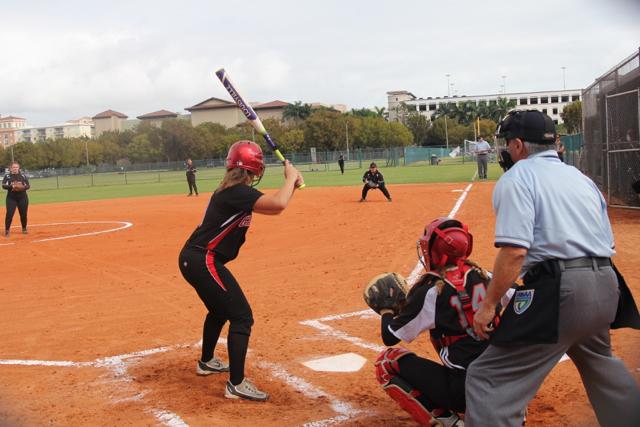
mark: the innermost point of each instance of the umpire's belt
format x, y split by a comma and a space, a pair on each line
584, 262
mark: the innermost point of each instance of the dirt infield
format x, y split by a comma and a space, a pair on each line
101, 329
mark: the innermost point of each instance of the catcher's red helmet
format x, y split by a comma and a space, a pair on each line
246, 155
445, 241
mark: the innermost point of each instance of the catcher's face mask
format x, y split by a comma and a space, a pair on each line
445, 241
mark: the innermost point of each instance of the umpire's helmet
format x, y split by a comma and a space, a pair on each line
529, 125
445, 241
246, 155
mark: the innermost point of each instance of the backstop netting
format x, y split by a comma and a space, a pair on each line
611, 129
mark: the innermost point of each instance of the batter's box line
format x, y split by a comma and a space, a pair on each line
118, 365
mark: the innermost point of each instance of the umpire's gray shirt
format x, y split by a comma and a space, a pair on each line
552, 210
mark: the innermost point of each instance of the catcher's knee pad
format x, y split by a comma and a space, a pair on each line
387, 363
402, 392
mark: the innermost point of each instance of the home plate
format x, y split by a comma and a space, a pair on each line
348, 362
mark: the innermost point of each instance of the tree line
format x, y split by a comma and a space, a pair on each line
176, 140
302, 127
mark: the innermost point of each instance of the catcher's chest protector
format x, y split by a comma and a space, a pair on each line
458, 277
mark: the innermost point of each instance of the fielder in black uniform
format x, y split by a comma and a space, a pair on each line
442, 302
191, 178
215, 242
373, 179
16, 184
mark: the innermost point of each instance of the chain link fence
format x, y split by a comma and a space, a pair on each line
611, 126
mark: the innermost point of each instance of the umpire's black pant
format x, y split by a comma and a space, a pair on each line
380, 187
22, 203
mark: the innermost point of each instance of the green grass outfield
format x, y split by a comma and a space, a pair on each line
116, 185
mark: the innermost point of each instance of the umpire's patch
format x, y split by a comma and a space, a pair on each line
522, 300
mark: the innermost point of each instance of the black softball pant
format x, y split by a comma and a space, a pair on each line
440, 387
225, 301
22, 203
192, 185
381, 187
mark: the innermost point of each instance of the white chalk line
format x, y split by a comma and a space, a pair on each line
118, 366
124, 224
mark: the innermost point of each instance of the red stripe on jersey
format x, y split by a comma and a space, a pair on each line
214, 242
212, 269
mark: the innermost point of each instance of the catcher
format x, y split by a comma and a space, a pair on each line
16, 184
443, 302
373, 179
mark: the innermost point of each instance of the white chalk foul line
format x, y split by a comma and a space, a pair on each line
344, 410
123, 225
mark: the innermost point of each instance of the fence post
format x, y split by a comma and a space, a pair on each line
57, 182
125, 177
92, 180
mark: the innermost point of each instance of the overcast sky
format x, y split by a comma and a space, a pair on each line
66, 59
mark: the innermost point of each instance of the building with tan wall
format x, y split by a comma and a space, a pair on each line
157, 117
226, 113
109, 121
8, 127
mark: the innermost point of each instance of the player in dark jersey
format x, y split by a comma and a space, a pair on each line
442, 302
191, 178
215, 242
373, 179
16, 184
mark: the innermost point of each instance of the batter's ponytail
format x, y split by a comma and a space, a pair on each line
233, 177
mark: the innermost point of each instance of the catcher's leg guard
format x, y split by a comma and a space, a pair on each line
398, 389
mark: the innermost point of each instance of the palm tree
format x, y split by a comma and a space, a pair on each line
381, 112
502, 107
296, 111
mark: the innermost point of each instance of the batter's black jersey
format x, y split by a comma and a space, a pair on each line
376, 178
10, 179
440, 313
225, 222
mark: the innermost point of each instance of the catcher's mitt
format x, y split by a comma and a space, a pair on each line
18, 186
386, 291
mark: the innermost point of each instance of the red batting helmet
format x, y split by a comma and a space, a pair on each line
246, 155
445, 241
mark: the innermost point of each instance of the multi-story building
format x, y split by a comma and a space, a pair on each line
82, 127
550, 102
108, 121
8, 127
157, 117
226, 113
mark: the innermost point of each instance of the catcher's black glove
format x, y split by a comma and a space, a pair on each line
386, 291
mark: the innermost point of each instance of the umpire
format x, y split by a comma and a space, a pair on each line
551, 227
16, 184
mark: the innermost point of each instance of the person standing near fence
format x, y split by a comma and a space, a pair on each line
560, 148
341, 163
482, 154
191, 178
16, 184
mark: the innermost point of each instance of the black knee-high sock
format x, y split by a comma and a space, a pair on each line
210, 335
237, 345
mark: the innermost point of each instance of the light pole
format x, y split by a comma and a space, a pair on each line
86, 151
448, 85
504, 85
564, 81
452, 91
346, 131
